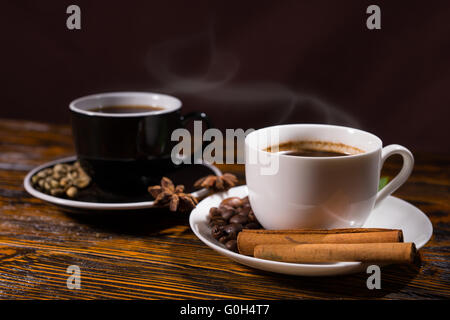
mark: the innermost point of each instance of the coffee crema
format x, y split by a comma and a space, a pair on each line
126, 109
314, 149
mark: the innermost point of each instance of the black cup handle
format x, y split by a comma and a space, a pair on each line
195, 116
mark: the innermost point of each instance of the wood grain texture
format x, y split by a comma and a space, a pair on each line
139, 256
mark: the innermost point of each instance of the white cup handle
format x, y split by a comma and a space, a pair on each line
402, 176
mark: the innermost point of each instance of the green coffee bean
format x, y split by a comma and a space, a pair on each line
71, 192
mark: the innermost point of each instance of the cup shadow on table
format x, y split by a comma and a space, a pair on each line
148, 222
140, 222
394, 278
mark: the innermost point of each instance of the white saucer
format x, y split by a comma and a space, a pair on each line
81, 206
392, 213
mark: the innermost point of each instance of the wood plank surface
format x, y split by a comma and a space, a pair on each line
142, 256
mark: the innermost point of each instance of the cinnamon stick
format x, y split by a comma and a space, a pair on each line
332, 252
248, 239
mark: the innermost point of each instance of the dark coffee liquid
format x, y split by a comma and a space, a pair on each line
126, 109
313, 153
314, 149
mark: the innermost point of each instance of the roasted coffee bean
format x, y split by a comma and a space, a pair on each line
234, 202
238, 218
251, 217
244, 211
218, 222
232, 228
214, 212
217, 231
215, 218
232, 235
252, 225
221, 222
231, 245
224, 239
219, 217
226, 221
227, 212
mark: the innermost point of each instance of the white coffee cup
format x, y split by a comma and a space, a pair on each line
288, 192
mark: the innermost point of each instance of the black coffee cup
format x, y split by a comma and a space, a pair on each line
127, 151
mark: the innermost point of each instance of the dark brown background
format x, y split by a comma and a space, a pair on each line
246, 63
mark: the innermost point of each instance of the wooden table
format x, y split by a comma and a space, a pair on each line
140, 257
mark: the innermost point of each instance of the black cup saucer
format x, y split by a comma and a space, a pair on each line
94, 198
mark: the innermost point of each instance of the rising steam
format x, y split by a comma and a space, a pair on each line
214, 84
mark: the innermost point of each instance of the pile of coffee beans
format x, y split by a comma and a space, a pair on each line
227, 220
62, 179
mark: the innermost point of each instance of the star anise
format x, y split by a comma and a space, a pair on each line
171, 196
217, 183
